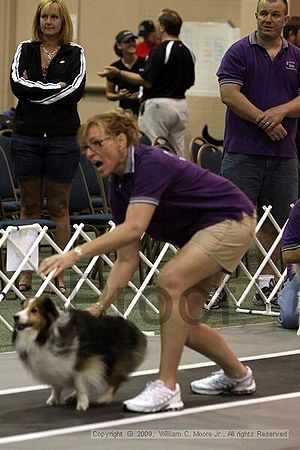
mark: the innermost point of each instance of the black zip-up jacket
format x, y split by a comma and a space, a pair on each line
44, 108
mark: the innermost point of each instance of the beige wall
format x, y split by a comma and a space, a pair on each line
294, 8
94, 34
7, 44
98, 23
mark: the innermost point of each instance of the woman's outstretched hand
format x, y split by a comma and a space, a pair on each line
109, 72
58, 262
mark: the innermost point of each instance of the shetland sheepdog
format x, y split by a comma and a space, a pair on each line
73, 349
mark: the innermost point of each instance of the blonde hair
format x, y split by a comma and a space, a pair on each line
114, 123
66, 32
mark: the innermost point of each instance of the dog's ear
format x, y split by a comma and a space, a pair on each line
49, 306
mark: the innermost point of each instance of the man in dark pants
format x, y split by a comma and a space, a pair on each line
259, 79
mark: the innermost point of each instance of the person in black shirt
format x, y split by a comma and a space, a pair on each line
169, 72
48, 79
118, 88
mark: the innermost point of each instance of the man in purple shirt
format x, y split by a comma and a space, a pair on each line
291, 32
259, 79
288, 296
206, 216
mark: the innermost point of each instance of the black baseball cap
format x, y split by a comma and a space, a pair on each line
125, 36
146, 27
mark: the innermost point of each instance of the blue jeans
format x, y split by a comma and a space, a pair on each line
288, 302
266, 180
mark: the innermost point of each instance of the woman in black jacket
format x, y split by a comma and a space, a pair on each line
48, 78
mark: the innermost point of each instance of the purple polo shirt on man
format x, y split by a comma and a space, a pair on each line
187, 197
291, 233
266, 83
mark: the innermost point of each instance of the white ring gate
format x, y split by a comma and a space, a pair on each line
138, 292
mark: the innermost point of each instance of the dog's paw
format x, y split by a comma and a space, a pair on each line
105, 397
50, 401
54, 400
82, 404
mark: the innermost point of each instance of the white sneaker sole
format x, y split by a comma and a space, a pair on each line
236, 391
153, 409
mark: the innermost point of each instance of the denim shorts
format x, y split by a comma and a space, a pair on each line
267, 180
55, 158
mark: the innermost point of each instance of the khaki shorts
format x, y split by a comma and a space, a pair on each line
226, 243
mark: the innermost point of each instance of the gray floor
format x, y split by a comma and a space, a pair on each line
232, 423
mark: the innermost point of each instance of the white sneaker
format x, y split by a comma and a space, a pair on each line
156, 397
218, 382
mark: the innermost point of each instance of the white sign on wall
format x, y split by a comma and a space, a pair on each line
74, 18
209, 41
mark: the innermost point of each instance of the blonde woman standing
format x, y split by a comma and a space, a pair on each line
48, 78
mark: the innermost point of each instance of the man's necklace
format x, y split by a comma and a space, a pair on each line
50, 55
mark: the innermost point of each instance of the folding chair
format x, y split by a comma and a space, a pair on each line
162, 142
82, 211
194, 145
6, 132
210, 157
11, 205
5, 141
5, 144
210, 139
96, 185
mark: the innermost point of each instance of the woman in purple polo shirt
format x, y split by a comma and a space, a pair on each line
206, 216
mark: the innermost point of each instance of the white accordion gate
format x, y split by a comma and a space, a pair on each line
137, 291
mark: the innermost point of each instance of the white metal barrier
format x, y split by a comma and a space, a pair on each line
253, 278
46, 281
138, 292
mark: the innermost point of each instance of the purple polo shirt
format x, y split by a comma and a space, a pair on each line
291, 234
265, 83
187, 197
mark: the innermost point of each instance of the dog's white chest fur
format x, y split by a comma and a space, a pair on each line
45, 363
